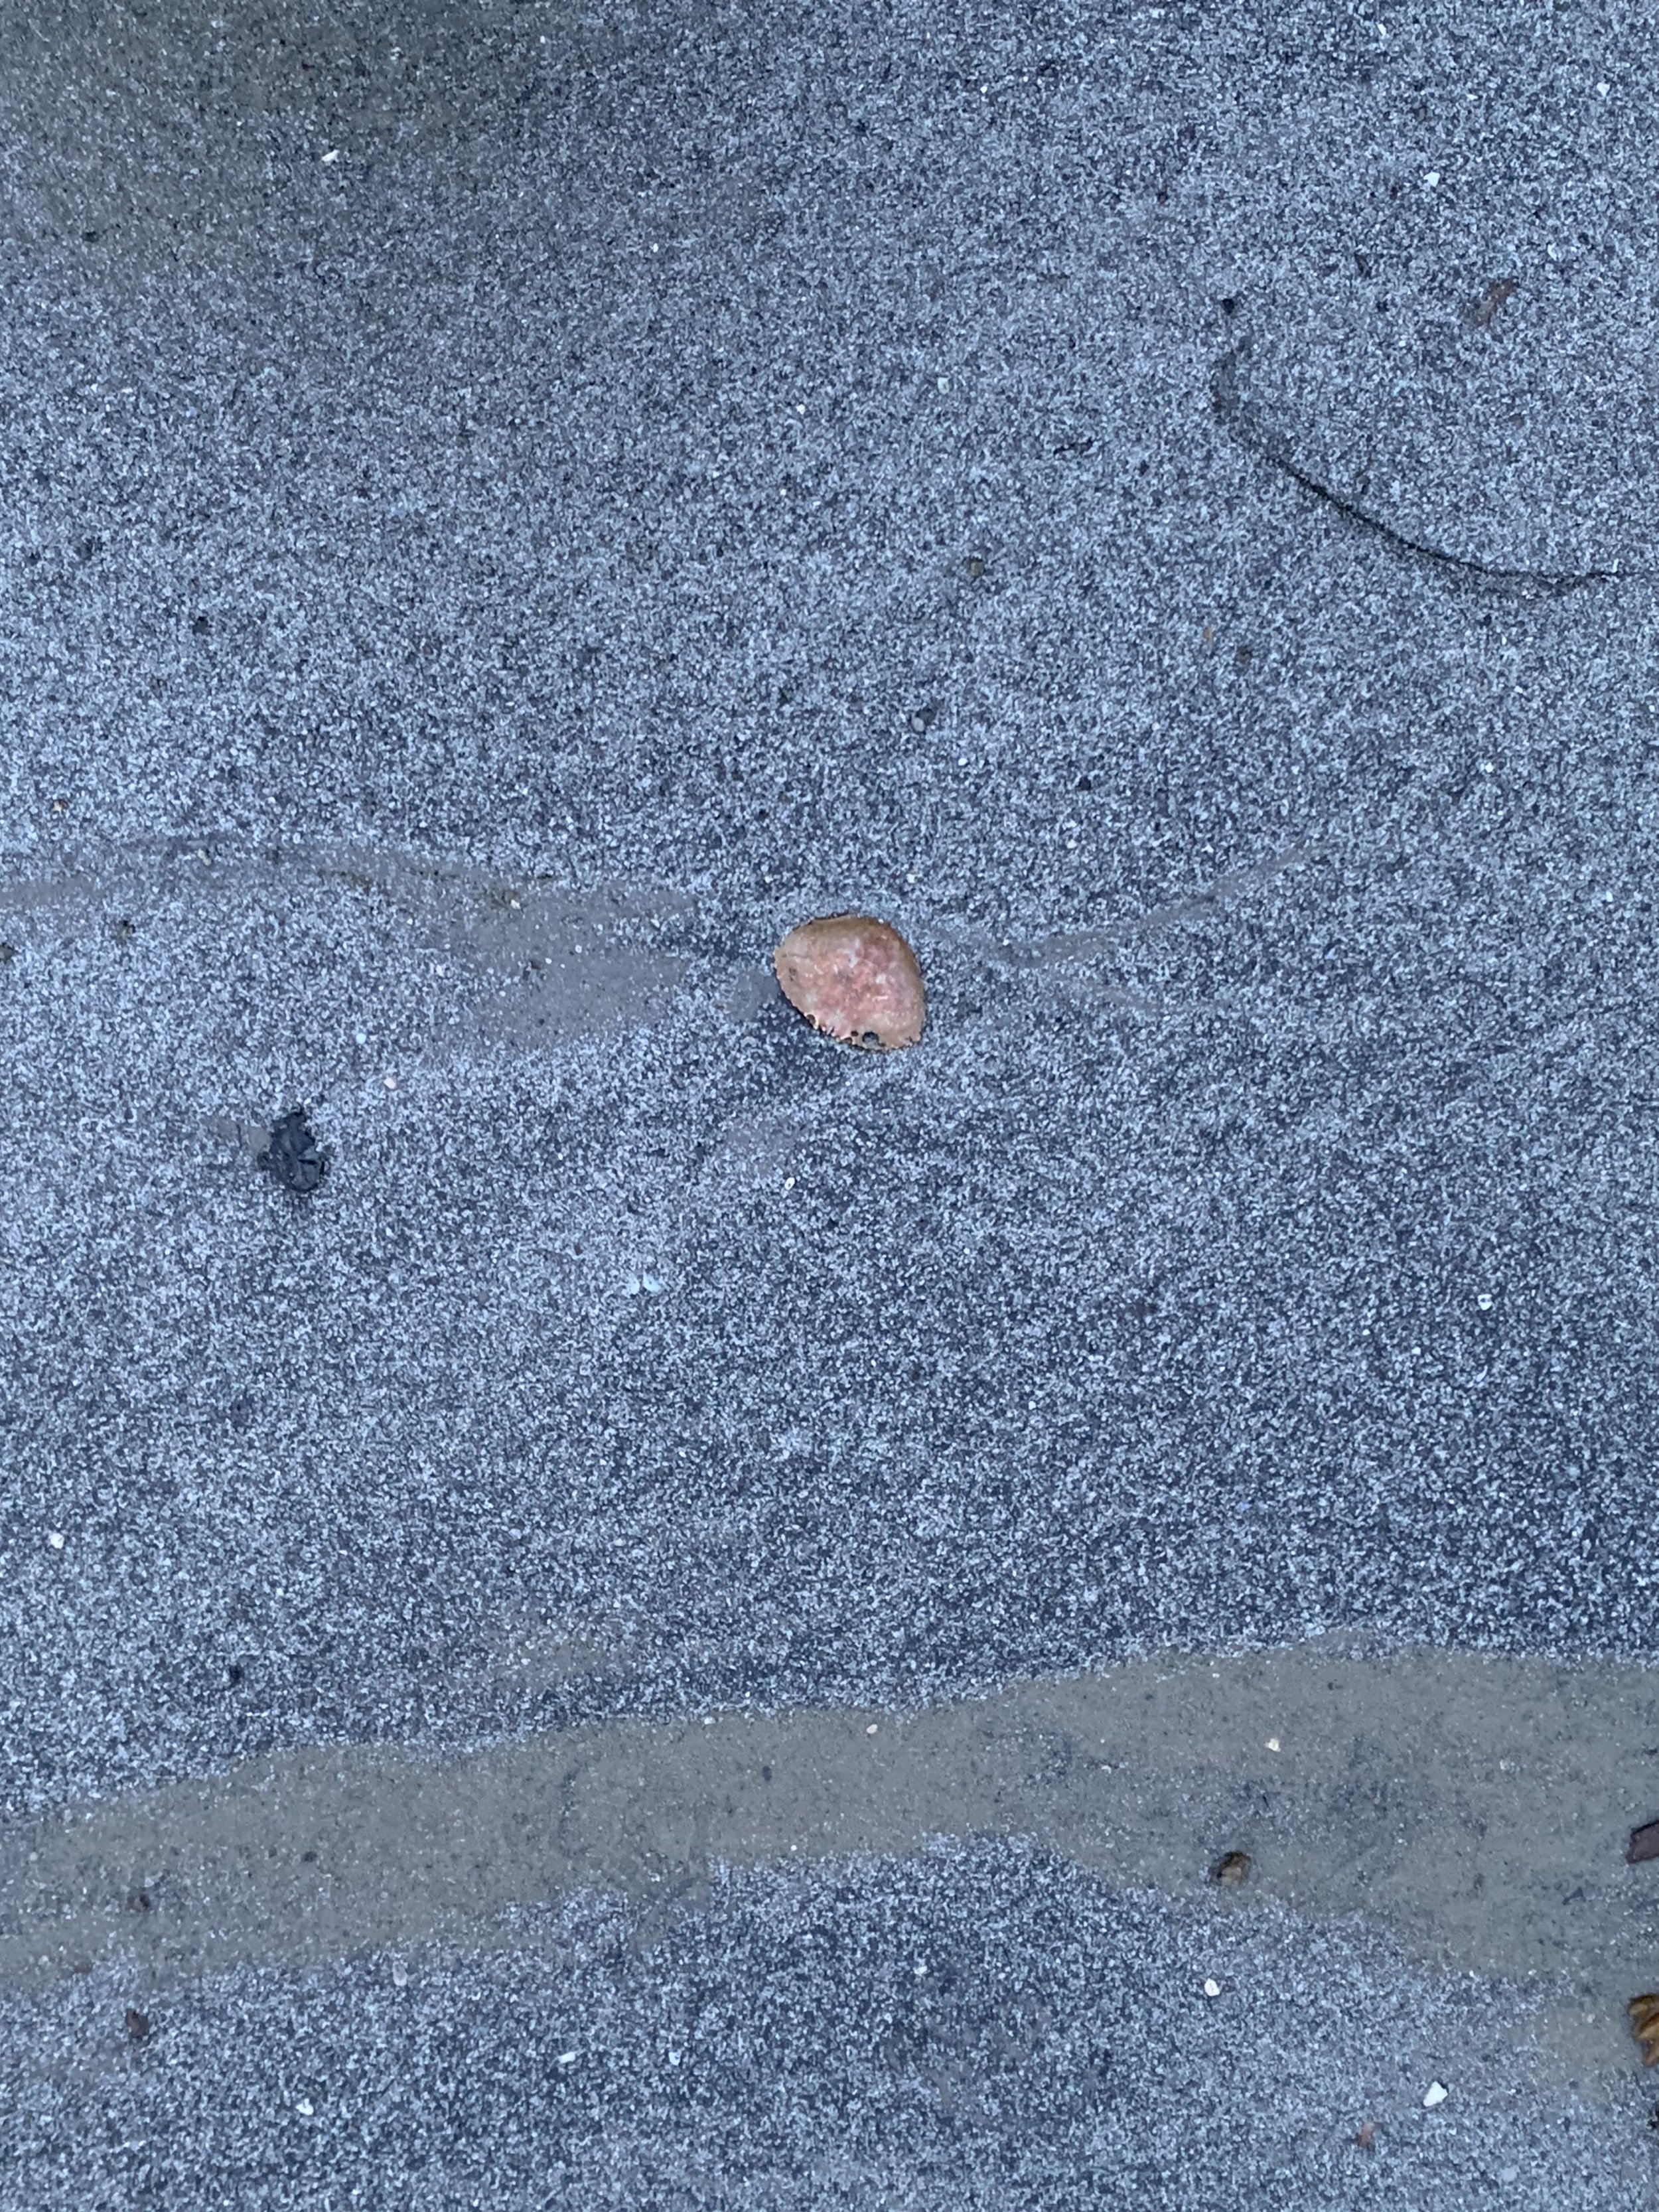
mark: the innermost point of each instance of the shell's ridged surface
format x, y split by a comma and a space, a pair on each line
855, 979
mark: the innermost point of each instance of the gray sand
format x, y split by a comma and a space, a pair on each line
503, 511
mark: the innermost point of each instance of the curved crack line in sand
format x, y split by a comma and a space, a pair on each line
1477, 1806
1253, 437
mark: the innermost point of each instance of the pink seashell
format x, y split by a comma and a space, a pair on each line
853, 978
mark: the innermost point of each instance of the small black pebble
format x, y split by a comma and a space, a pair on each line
138, 2023
292, 1156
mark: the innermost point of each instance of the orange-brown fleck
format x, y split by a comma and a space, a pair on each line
1644, 2025
853, 978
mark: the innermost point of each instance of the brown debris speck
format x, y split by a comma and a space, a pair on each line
853, 978
1644, 2025
1483, 310
1231, 1869
137, 2024
1644, 1844
1366, 2139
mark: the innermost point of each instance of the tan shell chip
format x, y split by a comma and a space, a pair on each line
853, 978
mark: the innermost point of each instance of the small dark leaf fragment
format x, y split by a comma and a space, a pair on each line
292, 1155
